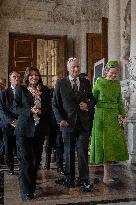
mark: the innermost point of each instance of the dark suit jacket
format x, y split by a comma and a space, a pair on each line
66, 104
7, 108
24, 101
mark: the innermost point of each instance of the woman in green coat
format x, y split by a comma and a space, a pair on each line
108, 139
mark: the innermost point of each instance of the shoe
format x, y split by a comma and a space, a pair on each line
28, 197
65, 182
96, 180
10, 171
60, 171
86, 187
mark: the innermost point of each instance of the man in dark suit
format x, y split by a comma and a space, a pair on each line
72, 100
2, 87
9, 117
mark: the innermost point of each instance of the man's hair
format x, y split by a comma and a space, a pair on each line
13, 71
71, 59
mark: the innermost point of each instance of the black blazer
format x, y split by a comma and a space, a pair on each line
24, 101
66, 104
7, 108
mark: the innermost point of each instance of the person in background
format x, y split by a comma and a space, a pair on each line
8, 116
71, 101
108, 139
54, 140
33, 104
2, 87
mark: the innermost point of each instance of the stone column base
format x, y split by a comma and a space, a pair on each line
132, 139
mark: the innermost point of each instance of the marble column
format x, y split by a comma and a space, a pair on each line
84, 28
132, 87
114, 30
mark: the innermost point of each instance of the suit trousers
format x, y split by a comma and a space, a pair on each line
10, 145
30, 151
76, 139
1, 146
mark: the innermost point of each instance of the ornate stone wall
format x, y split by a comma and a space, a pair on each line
73, 18
128, 59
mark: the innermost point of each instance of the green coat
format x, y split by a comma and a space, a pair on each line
108, 138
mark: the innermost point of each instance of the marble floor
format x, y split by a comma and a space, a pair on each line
122, 192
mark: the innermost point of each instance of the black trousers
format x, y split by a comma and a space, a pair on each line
76, 139
1, 146
30, 149
10, 145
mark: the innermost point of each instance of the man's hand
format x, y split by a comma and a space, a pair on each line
83, 106
64, 123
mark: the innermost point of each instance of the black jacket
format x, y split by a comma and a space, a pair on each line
66, 104
24, 101
7, 107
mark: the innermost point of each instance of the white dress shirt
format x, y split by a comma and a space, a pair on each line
72, 81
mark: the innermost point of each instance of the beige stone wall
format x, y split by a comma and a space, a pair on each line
73, 18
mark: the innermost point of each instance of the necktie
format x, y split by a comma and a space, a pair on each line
75, 87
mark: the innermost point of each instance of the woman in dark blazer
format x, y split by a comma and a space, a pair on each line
32, 101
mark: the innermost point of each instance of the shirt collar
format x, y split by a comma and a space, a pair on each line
71, 78
13, 88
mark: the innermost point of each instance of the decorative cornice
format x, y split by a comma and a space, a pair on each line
54, 11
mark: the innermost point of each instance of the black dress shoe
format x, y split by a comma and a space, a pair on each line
27, 197
10, 171
96, 180
86, 187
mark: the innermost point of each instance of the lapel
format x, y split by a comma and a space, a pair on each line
10, 95
29, 96
82, 88
68, 84
81, 85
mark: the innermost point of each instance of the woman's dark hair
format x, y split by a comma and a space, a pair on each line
28, 73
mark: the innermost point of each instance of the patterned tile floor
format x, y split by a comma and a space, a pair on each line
122, 192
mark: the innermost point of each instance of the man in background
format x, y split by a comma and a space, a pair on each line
2, 87
9, 117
